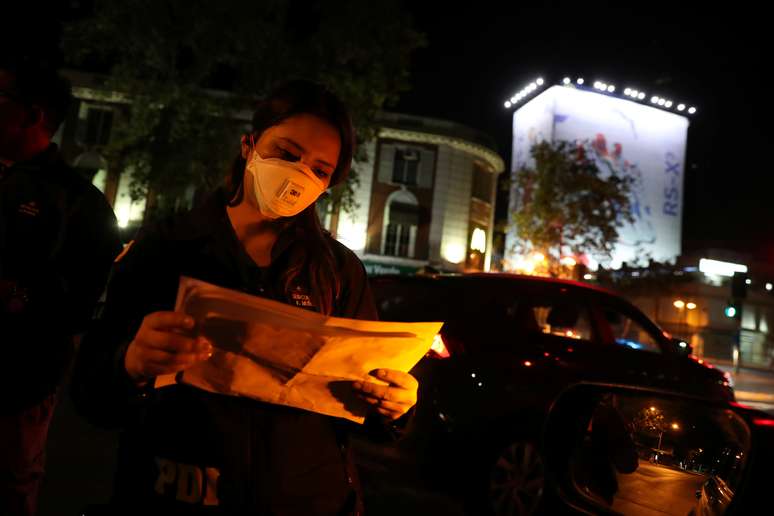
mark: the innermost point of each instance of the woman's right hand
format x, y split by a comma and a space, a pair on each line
160, 347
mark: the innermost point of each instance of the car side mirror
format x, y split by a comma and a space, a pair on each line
620, 450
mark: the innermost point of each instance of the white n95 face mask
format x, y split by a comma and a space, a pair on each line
283, 188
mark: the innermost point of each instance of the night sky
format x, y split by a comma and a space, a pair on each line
477, 57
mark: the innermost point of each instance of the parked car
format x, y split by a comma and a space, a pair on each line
509, 345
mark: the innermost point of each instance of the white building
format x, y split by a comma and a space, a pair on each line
632, 133
426, 198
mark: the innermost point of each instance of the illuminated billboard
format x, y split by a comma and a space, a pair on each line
630, 138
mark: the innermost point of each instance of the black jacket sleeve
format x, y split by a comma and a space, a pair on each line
101, 389
92, 244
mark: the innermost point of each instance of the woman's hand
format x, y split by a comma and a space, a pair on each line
393, 400
160, 347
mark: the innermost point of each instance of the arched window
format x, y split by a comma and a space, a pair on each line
399, 229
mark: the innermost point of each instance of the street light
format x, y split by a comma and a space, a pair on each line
675, 426
679, 304
690, 306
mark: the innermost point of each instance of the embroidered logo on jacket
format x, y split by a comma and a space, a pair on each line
187, 483
301, 298
29, 208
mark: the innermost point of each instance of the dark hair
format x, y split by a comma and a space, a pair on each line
39, 84
312, 258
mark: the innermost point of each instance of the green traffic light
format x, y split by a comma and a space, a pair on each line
730, 311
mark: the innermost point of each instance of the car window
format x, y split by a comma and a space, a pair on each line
508, 317
565, 319
629, 333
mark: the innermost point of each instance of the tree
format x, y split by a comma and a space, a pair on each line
188, 68
564, 203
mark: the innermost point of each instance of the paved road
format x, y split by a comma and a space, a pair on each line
657, 490
753, 387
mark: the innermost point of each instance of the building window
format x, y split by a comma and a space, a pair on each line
95, 125
405, 166
482, 183
400, 230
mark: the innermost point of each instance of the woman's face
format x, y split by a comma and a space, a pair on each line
305, 138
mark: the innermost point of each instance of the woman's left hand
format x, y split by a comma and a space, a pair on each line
393, 400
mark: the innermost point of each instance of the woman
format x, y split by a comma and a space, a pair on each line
192, 452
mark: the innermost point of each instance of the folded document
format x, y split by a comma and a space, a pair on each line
286, 355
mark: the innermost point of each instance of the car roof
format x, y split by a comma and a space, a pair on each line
499, 277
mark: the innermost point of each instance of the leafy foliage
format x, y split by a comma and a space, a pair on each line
190, 71
565, 205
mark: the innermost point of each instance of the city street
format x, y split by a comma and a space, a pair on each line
753, 387
656, 489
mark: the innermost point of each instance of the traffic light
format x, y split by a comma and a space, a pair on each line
731, 311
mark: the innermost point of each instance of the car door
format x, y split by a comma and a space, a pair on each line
524, 342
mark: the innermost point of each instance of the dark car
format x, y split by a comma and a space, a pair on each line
509, 345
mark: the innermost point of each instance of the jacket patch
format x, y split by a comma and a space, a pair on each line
187, 483
301, 298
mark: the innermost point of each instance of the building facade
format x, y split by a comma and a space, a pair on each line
425, 198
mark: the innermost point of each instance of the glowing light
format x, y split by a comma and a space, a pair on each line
454, 253
539, 257
668, 104
675, 426
566, 80
748, 281
718, 268
652, 409
769, 286
539, 81
439, 347
730, 311
587, 276
641, 96
611, 88
568, 261
690, 306
661, 102
681, 107
692, 110
627, 91
679, 304
653, 100
683, 344
507, 103
478, 240
527, 363
580, 80
122, 215
597, 84
352, 234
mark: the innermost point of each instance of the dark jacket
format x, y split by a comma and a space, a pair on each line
58, 239
192, 452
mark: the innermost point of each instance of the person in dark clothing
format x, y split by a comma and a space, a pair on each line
58, 238
188, 451
612, 449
